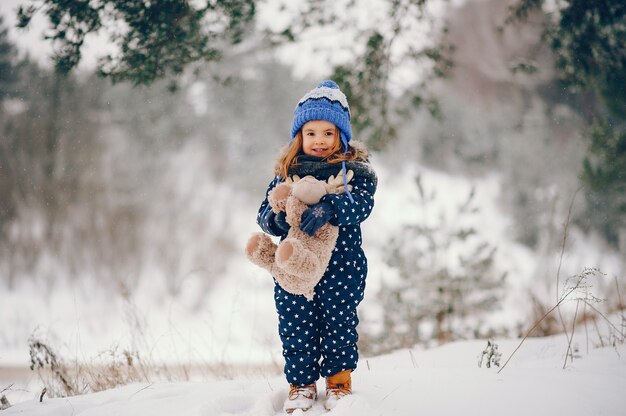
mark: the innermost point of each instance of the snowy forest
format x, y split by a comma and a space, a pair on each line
137, 140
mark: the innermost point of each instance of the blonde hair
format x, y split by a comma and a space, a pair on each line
289, 154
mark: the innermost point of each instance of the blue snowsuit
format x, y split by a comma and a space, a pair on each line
326, 326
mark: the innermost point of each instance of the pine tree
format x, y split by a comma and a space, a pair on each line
154, 39
8, 56
160, 39
587, 38
604, 173
447, 280
8, 78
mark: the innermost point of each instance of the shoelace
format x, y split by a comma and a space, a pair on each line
306, 391
338, 390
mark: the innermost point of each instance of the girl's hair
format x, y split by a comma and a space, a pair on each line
289, 154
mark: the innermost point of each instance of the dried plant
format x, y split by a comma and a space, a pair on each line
51, 369
110, 369
577, 288
4, 402
490, 355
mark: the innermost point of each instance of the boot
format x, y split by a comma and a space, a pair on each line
300, 397
337, 386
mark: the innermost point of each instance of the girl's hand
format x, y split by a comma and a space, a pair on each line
274, 224
280, 220
316, 216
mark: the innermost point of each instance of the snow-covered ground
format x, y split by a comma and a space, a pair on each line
234, 324
440, 381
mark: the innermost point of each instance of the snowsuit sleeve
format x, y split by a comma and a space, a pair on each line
265, 216
348, 213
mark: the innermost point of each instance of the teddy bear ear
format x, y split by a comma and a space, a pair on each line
288, 179
339, 179
296, 178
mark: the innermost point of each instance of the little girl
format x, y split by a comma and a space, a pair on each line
324, 328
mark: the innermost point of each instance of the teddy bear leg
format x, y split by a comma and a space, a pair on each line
295, 259
261, 250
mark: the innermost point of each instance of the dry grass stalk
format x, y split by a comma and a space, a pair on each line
62, 380
580, 283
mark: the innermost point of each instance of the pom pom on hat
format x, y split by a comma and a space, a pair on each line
325, 102
328, 83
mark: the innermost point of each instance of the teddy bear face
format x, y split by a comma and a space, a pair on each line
309, 190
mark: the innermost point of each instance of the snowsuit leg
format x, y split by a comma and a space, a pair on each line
339, 294
298, 327
324, 327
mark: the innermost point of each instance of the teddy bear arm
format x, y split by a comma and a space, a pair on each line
277, 197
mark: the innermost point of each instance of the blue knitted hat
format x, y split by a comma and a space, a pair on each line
325, 102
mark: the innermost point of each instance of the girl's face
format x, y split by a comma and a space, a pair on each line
318, 138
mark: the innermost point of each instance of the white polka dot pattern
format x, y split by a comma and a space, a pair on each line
319, 337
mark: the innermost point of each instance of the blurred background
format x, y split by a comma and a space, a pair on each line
137, 141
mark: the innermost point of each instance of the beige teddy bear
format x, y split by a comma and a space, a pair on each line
299, 261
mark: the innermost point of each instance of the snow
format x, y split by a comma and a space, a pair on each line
225, 318
441, 381
233, 325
